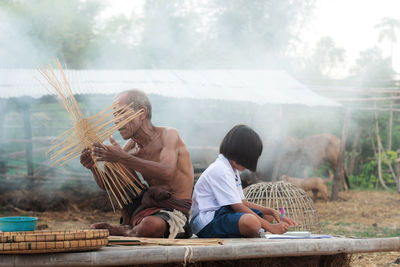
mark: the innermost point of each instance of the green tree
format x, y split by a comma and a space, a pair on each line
388, 28
63, 29
325, 58
169, 38
372, 66
254, 33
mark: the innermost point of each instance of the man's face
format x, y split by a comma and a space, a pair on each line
128, 130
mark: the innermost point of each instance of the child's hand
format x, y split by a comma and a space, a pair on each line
276, 215
278, 228
290, 222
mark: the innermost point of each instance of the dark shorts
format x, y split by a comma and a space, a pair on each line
186, 231
225, 224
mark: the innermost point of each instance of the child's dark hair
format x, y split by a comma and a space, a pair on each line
242, 145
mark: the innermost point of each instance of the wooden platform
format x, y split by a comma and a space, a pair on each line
233, 249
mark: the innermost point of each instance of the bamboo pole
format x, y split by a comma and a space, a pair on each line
379, 157
339, 172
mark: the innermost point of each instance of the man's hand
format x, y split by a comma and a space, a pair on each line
86, 158
112, 153
278, 228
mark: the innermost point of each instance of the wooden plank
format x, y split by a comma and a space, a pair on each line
244, 249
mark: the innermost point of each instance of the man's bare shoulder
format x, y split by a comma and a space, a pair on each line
168, 132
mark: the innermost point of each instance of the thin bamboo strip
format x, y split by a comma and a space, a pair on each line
102, 180
121, 240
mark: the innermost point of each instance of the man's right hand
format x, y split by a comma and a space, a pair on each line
278, 228
86, 158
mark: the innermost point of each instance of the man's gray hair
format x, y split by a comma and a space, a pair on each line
139, 100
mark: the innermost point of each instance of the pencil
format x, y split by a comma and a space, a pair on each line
281, 213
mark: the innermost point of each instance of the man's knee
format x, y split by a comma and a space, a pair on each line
249, 225
152, 226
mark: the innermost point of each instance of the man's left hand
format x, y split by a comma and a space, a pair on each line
112, 153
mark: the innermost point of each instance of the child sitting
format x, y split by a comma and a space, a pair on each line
219, 208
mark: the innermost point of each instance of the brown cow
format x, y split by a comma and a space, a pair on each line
311, 151
314, 184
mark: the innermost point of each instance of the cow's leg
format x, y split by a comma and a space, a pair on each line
315, 193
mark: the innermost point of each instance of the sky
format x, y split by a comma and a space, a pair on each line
351, 23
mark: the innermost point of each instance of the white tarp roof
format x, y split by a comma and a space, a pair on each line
257, 86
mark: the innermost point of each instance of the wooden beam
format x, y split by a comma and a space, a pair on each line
358, 90
367, 99
376, 109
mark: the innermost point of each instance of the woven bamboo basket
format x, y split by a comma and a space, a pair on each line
297, 205
52, 241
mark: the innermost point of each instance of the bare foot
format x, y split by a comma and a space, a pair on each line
101, 225
121, 230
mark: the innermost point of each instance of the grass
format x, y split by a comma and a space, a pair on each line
358, 230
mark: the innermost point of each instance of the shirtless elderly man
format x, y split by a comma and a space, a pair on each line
161, 157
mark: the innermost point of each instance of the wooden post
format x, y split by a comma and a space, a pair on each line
3, 109
354, 146
389, 145
24, 104
3, 157
339, 172
380, 150
28, 138
398, 171
279, 136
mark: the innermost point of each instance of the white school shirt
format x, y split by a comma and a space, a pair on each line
219, 185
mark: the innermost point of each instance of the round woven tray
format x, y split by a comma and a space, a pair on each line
52, 241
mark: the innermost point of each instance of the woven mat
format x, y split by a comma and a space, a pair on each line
43, 236
52, 241
50, 247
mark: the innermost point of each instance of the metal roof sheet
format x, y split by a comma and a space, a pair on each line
257, 86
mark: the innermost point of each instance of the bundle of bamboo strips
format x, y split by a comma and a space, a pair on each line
116, 178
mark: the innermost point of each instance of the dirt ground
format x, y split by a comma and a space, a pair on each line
357, 213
